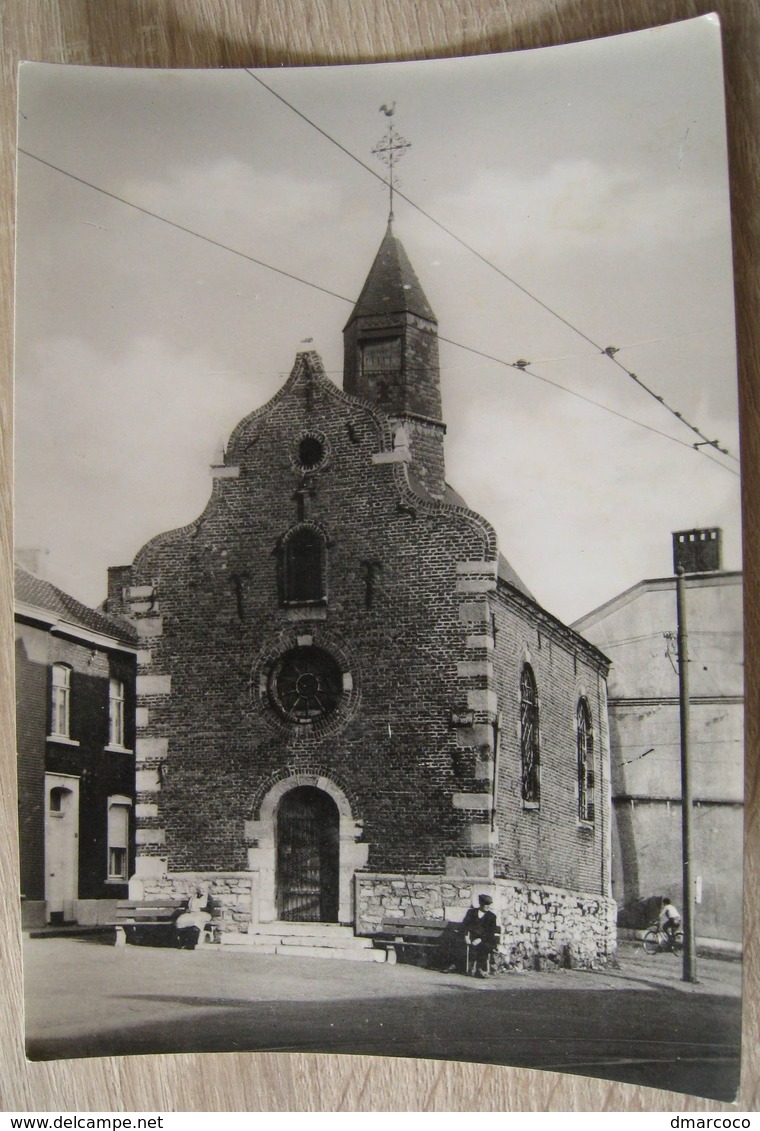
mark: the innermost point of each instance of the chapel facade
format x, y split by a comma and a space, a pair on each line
348, 704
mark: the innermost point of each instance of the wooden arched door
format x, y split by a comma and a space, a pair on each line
307, 856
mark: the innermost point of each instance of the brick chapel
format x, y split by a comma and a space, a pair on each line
348, 704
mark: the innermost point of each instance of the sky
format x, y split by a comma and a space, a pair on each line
593, 175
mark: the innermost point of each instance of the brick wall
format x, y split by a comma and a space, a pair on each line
413, 387
411, 597
426, 454
548, 842
31, 728
207, 733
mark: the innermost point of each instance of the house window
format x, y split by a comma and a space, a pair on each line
529, 748
56, 800
303, 566
61, 696
585, 745
118, 837
115, 713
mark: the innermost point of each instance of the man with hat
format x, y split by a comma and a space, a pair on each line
480, 932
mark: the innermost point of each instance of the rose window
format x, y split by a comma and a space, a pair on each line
306, 684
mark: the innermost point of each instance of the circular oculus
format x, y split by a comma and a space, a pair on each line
306, 684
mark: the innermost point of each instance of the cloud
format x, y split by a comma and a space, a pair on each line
582, 205
112, 449
232, 195
583, 506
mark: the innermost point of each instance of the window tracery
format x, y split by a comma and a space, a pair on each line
585, 748
529, 742
306, 684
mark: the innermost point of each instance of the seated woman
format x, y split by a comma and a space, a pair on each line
190, 922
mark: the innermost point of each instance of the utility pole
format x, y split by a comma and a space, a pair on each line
690, 947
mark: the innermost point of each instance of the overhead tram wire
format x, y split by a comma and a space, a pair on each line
343, 298
608, 351
183, 228
589, 400
585, 356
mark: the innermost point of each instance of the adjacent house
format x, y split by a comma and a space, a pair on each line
75, 698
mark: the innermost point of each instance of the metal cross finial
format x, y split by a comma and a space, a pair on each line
390, 149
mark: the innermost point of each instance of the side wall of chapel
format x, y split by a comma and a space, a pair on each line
547, 841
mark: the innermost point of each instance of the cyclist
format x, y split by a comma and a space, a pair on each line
669, 920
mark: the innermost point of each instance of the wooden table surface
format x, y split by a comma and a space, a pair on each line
257, 33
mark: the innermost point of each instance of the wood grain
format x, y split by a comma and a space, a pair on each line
236, 33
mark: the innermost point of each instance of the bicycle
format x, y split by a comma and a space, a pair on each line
656, 941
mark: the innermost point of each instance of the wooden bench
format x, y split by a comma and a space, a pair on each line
432, 940
150, 922
435, 941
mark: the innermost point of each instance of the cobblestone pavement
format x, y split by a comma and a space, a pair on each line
639, 1023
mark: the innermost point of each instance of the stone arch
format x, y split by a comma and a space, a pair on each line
262, 856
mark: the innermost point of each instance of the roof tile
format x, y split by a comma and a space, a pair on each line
43, 595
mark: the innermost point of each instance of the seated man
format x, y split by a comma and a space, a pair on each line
480, 928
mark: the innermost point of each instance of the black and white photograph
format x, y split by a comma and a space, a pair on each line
379, 655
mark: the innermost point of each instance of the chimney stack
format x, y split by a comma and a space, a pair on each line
697, 551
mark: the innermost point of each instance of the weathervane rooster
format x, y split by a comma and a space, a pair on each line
390, 149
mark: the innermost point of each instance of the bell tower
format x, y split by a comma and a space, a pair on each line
391, 358
391, 344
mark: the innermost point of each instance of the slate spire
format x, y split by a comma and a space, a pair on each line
391, 358
392, 286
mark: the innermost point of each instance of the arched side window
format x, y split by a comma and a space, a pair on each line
60, 706
529, 744
303, 566
585, 746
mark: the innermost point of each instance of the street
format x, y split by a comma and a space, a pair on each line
639, 1024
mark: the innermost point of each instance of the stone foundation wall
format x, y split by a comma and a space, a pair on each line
538, 921
231, 893
571, 928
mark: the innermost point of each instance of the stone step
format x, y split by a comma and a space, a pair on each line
342, 955
307, 940
284, 927
246, 942
334, 942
